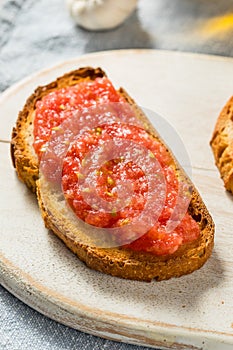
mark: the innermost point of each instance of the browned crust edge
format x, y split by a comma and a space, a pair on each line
222, 144
141, 266
117, 262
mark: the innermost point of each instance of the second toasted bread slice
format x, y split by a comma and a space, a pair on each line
222, 144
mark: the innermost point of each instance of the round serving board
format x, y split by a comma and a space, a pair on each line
192, 312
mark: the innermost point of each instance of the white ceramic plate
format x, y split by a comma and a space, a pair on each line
192, 312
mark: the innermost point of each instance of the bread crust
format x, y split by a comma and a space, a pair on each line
118, 262
222, 144
134, 265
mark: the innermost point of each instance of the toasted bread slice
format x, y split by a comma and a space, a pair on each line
57, 216
222, 144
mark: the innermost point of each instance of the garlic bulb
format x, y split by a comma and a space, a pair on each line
100, 14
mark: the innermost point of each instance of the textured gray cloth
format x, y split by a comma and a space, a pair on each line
22, 328
36, 34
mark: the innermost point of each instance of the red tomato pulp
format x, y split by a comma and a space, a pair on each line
59, 105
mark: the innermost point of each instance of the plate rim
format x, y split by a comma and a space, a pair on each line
11, 274
40, 72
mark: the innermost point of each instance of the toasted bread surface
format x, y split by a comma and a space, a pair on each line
222, 144
57, 216
126, 263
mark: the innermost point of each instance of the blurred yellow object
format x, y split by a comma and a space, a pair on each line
218, 26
